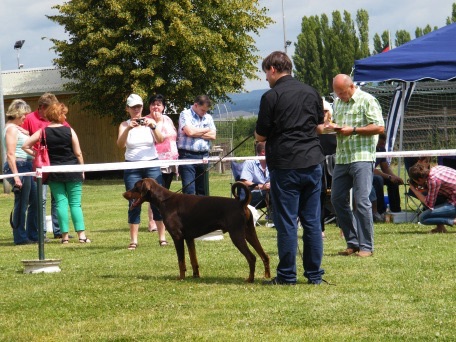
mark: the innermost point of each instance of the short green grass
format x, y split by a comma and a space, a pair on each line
107, 293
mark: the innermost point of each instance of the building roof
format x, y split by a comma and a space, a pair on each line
32, 82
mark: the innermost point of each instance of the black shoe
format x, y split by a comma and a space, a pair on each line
275, 281
26, 242
59, 236
318, 283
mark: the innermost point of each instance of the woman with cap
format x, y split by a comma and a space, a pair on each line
138, 135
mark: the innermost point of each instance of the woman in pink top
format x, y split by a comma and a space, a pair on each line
167, 150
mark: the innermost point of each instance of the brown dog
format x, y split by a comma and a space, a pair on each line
187, 217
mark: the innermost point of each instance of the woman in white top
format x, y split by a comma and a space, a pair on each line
139, 135
24, 218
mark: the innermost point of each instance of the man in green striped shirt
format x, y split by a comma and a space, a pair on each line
358, 119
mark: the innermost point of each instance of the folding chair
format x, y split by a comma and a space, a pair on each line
260, 199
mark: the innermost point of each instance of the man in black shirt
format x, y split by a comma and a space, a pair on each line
290, 115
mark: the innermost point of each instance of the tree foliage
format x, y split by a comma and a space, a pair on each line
324, 49
452, 19
381, 42
177, 48
402, 37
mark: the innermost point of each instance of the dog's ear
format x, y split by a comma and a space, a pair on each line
145, 187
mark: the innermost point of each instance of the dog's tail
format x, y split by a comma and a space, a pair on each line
239, 188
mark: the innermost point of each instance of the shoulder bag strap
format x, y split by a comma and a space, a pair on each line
43, 137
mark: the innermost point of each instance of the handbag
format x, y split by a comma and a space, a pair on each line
42, 155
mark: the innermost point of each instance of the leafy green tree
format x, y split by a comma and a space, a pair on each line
307, 54
402, 37
381, 42
452, 19
362, 21
418, 32
177, 48
324, 49
244, 127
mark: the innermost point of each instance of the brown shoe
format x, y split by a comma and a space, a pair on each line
438, 229
349, 251
364, 254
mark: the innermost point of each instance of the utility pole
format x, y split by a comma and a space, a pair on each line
17, 47
286, 43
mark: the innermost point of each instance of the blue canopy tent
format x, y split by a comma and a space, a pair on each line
429, 57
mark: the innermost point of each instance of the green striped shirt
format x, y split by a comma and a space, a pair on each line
363, 109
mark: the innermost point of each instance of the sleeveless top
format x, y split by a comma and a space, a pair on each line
140, 144
60, 148
21, 138
167, 150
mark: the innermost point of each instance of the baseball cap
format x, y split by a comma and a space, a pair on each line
134, 100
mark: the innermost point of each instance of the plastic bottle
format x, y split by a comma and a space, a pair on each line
388, 218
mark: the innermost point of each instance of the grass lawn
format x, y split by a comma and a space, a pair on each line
105, 292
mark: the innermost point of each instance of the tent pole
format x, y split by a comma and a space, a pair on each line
401, 128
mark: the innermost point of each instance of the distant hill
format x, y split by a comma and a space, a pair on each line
243, 104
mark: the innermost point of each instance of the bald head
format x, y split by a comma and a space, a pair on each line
344, 87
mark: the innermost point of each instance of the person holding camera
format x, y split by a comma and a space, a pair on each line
24, 219
138, 135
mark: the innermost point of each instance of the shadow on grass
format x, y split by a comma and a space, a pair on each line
189, 280
421, 232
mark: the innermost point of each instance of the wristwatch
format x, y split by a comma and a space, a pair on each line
153, 127
354, 131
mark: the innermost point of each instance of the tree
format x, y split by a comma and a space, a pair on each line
324, 50
362, 21
381, 42
402, 37
307, 55
177, 48
452, 19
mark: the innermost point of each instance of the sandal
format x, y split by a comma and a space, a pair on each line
163, 243
132, 246
64, 241
86, 240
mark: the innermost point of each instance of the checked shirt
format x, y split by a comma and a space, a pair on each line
441, 180
363, 109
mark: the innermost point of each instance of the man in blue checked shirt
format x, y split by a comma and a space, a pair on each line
358, 119
196, 130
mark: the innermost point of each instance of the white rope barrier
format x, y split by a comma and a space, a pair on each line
167, 163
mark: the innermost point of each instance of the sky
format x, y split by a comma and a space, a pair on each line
26, 20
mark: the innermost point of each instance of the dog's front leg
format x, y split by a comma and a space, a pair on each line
180, 250
193, 260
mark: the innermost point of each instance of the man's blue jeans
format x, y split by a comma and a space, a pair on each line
193, 176
442, 214
25, 218
296, 193
358, 226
